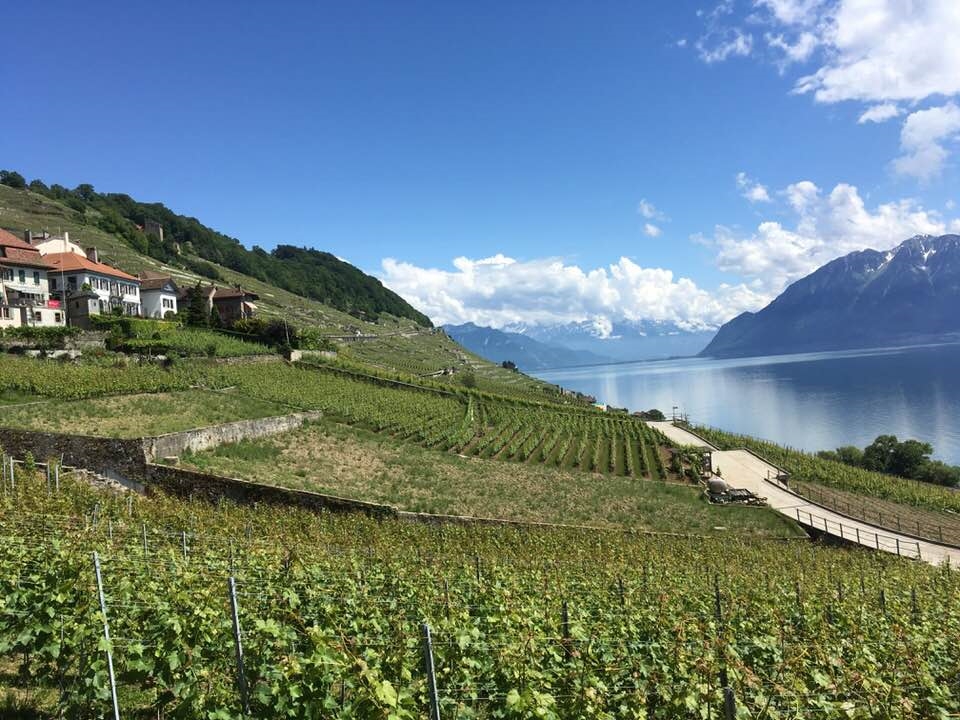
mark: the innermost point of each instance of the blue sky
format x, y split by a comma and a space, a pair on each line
558, 138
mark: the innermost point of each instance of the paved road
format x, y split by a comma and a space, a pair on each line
742, 469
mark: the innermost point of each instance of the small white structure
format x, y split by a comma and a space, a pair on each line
158, 295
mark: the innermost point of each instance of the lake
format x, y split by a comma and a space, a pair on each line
813, 401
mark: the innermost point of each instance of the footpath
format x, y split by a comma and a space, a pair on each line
742, 469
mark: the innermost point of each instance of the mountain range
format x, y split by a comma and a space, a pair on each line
904, 296
528, 354
622, 340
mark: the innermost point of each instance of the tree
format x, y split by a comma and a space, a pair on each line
12, 179
39, 186
85, 192
908, 457
851, 455
877, 455
508, 365
196, 312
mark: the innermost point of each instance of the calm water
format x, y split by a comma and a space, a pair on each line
812, 401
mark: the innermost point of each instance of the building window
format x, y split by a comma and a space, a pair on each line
36, 278
57, 318
5, 313
38, 317
23, 277
53, 283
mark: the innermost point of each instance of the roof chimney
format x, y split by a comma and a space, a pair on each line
93, 255
28, 237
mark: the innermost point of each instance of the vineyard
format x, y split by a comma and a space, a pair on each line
470, 423
523, 623
807, 467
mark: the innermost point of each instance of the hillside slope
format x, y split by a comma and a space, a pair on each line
907, 295
24, 209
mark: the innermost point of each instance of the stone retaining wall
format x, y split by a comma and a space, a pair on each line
193, 484
175, 444
114, 456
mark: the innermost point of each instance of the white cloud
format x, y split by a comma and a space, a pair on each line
922, 140
792, 12
885, 50
826, 227
879, 113
752, 190
500, 291
648, 210
651, 230
719, 45
797, 51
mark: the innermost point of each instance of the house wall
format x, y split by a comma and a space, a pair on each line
103, 286
151, 302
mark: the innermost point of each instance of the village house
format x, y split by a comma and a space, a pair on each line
231, 304
158, 295
74, 270
24, 286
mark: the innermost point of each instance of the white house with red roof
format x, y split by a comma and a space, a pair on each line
72, 272
25, 286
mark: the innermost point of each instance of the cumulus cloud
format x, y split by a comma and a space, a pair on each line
922, 140
651, 230
885, 50
879, 113
825, 227
499, 291
752, 190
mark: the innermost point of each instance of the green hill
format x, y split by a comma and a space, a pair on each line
191, 246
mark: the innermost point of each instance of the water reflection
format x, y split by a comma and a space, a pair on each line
811, 401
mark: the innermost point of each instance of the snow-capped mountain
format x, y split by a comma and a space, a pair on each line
907, 295
621, 340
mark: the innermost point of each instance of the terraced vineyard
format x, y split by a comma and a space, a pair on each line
463, 422
524, 623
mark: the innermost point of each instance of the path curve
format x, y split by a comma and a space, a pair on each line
742, 469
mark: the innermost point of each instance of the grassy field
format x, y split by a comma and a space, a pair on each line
332, 458
138, 415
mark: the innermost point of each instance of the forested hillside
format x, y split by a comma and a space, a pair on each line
303, 271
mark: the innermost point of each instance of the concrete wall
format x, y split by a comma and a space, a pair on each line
177, 443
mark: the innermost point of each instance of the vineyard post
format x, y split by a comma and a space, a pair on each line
56, 477
13, 476
183, 542
940, 531
898, 546
48, 477
918, 552
446, 597
729, 702
431, 672
476, 562
238, 645
858, 536
143, 532
106, 636
3, 470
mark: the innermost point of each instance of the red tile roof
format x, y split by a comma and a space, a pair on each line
8, 239
71, 262
230, 293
